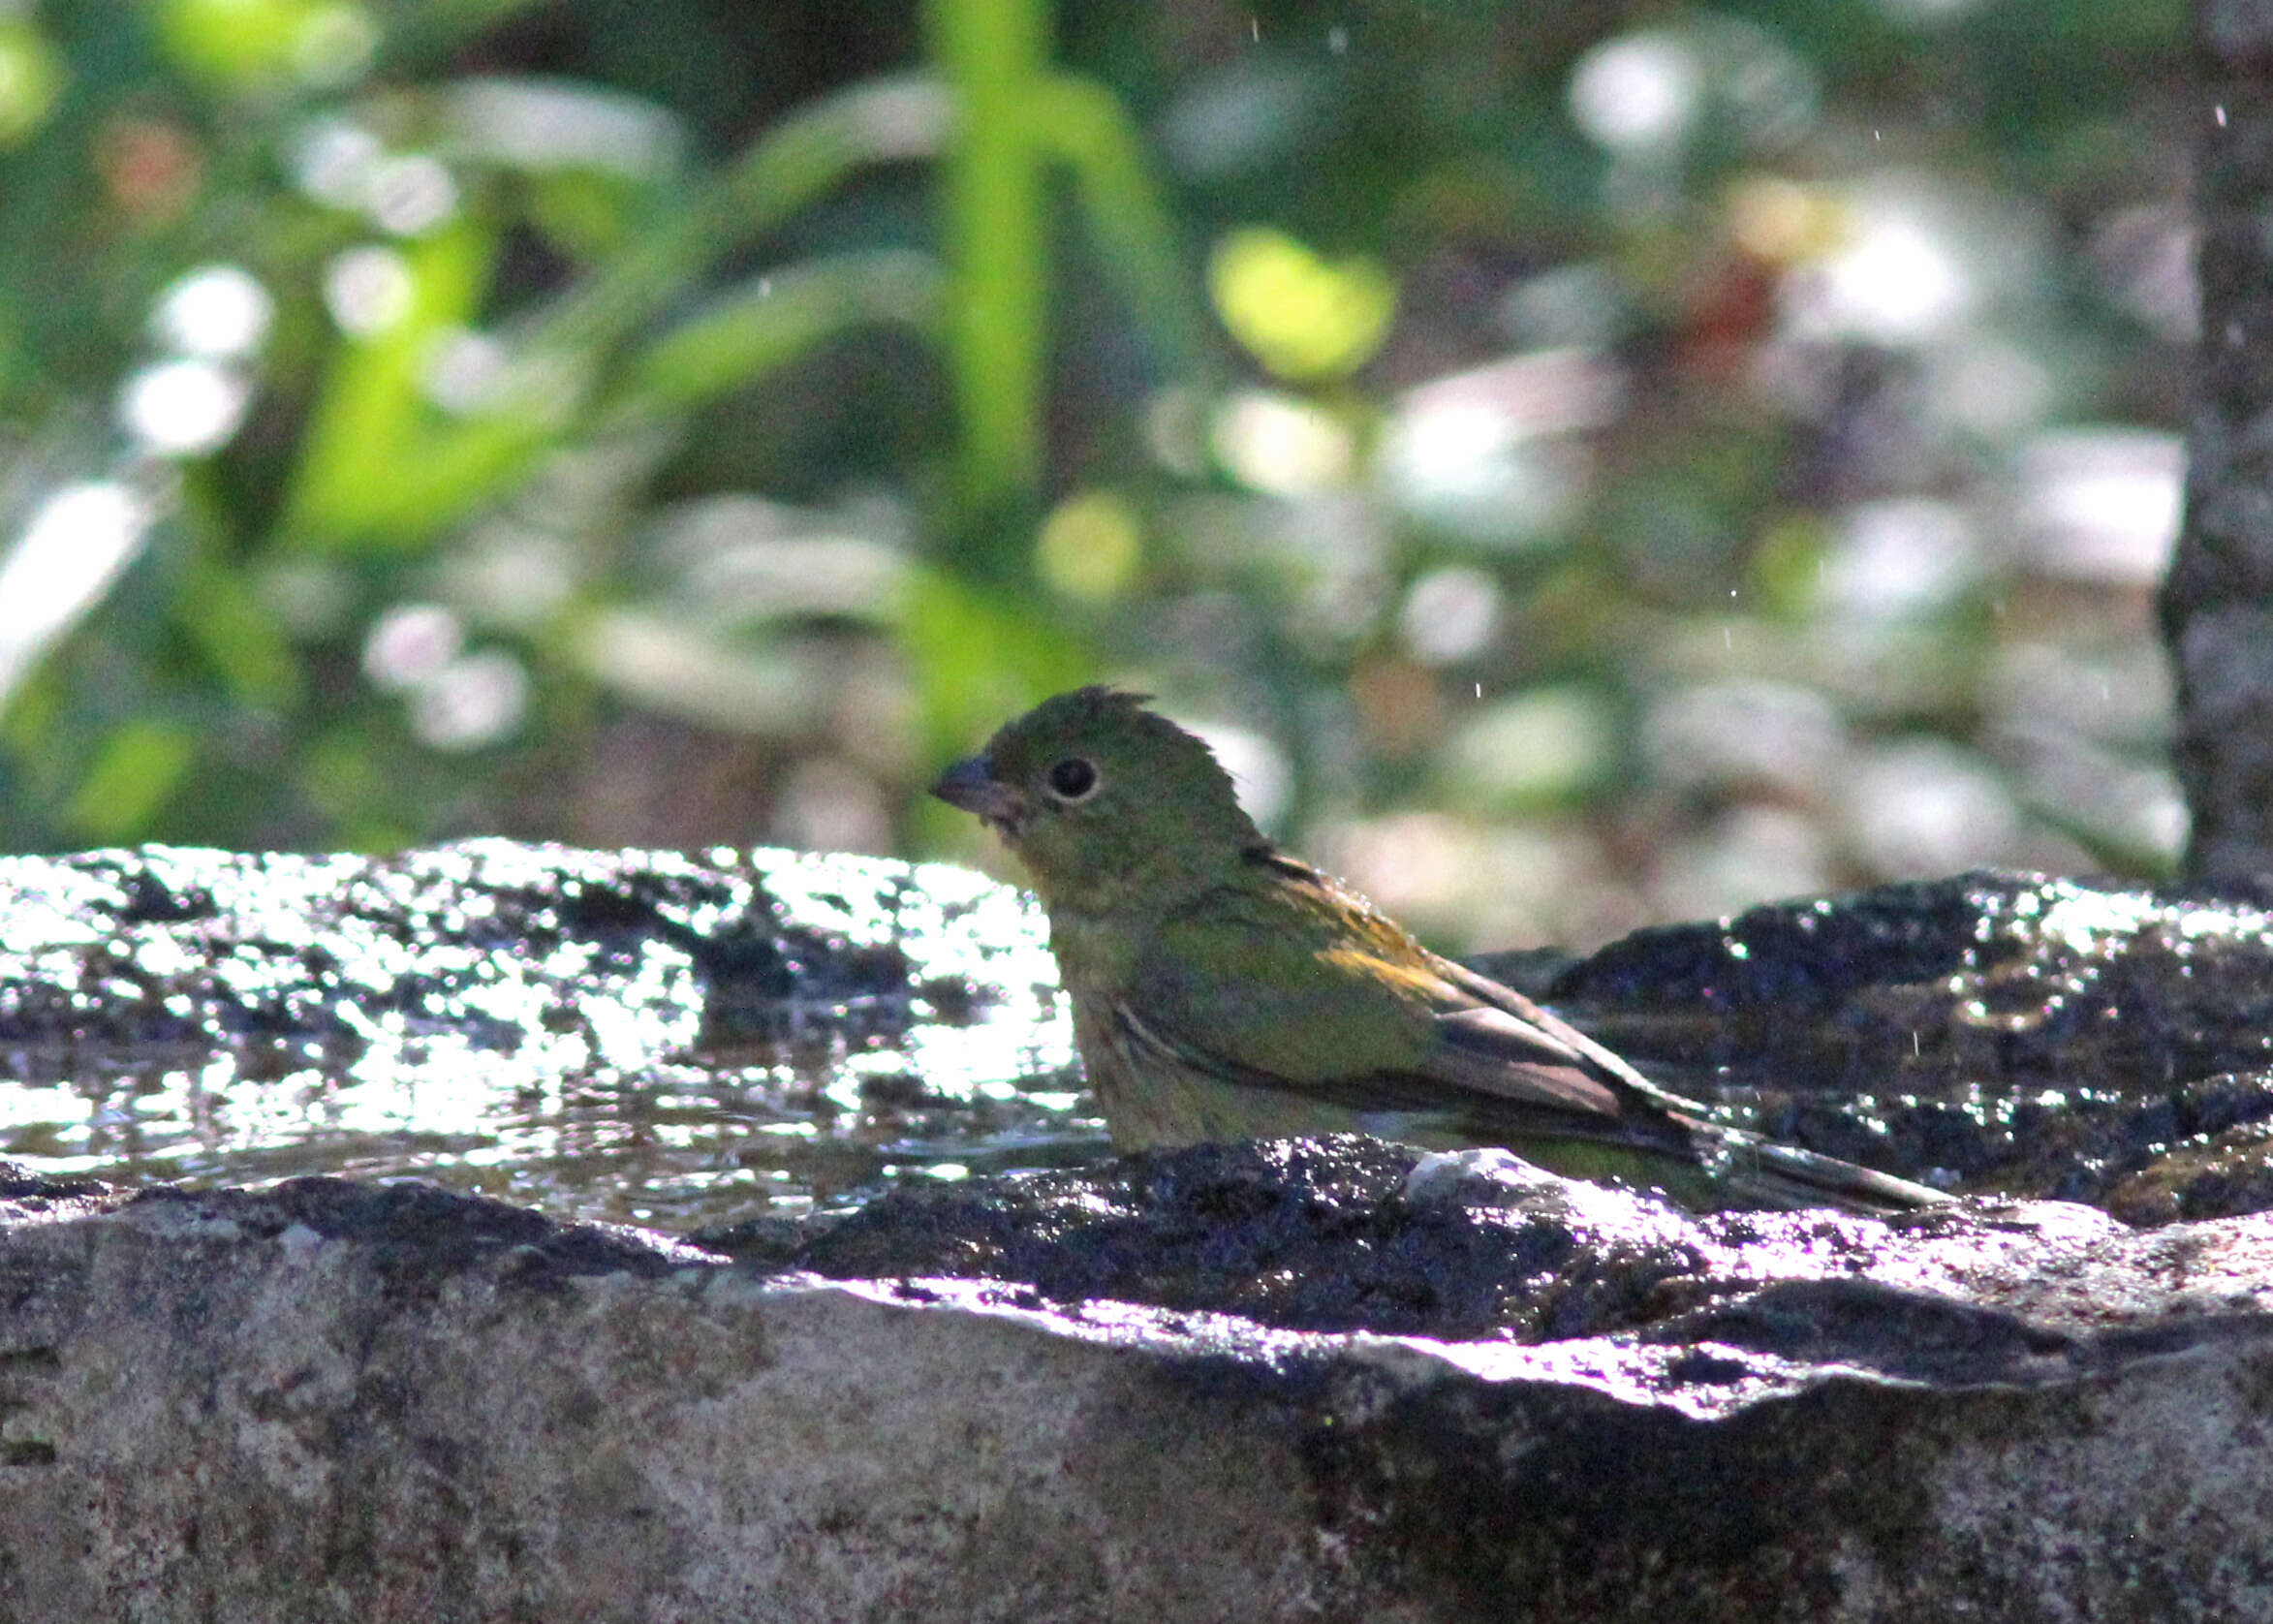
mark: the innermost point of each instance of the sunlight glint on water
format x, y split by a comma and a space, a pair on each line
587, 1075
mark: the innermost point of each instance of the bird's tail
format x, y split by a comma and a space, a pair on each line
1761, 1173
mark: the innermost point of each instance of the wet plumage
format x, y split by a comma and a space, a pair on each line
1223, 989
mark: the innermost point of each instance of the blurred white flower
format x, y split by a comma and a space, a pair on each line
410, 644
182, 408
411, 194
333, 162
213, 313
1450, 615
1282, 446
1638, 92
471, 702
465, 371
367, 290
1895, 281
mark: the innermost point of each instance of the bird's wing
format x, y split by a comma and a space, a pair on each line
1361, 1019
1554, 1028
1519, 1074
1491, 1051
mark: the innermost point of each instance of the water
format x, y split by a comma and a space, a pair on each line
672, 1041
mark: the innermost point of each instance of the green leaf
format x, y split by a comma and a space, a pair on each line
980, 657
995, 55
1086, 129
238, 634
770, 321
134, 774
367, 477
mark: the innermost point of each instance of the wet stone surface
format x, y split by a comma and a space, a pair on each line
1310, 1379
635, 1035
689, 1042
1997, 1032
1349, 1233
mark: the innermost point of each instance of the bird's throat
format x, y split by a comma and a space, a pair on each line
1097, 955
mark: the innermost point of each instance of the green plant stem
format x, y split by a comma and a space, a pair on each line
995, 55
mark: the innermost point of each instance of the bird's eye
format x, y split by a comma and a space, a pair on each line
1073, 779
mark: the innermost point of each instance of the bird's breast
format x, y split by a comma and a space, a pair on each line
1152, 1097
1097, 955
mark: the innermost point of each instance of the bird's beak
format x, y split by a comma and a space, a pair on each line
971, 784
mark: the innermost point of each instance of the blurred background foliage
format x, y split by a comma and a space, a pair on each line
1582, 464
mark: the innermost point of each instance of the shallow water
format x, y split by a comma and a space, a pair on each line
694, 1042
639, 1038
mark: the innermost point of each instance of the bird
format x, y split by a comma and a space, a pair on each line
1229, 990
1223, 989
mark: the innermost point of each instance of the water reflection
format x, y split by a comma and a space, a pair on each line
632, 1038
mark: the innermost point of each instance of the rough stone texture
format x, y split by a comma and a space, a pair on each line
332, 1402
2001, 1032
1309, 1379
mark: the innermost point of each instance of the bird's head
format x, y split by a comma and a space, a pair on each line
1105, 801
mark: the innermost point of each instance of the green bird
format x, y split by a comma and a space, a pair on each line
1223, 989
